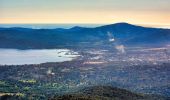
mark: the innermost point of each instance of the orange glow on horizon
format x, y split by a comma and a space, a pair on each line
87, 17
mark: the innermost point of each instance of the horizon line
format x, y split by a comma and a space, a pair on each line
91, 23
79, 25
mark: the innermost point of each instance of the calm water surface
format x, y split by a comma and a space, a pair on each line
20, 57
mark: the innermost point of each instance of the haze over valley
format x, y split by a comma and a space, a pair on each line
115, 61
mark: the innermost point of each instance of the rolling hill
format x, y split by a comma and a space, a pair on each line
106, 93
123, 33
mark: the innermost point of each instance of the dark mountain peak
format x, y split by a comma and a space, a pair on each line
106, 93
121, 25
76, 28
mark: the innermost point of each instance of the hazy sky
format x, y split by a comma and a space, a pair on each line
85, 11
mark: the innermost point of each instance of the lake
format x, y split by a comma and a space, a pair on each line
21, 57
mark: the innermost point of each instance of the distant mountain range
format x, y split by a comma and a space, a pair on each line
121, 33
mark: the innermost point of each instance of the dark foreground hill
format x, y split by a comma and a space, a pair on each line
106, 93
123, 33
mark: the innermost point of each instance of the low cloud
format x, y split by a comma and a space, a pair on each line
120, 48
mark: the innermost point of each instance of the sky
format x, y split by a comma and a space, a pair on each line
153, 12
